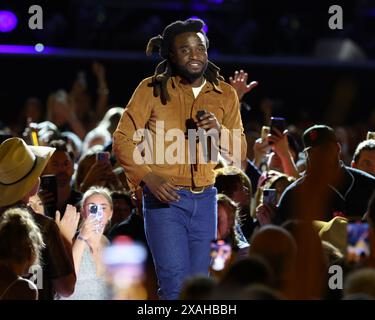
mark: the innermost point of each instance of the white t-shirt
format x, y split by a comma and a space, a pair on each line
196, 90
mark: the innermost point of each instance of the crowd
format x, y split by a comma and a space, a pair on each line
282, 217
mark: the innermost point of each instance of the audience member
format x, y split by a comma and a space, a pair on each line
88, 246
364, 157
20, 168
18, 228
328, 188
61, 164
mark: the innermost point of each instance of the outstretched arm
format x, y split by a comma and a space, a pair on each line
281, 148
103, 91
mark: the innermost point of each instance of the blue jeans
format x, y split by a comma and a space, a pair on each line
179, 235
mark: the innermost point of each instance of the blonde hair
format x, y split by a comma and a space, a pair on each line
20, 237
97, 190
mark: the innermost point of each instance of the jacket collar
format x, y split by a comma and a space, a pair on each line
176, 80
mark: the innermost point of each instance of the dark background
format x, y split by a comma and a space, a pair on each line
274, 41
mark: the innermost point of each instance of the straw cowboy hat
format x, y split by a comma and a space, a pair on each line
20, 166
333, 231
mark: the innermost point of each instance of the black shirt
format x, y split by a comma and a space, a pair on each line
349, 198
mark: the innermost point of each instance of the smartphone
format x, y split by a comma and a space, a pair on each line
265, 132
96, 210
220, 254
270, 197
279, 123
48, 183
370, 135
103, 156
358, 248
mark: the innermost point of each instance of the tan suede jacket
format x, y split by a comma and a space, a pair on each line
144, 111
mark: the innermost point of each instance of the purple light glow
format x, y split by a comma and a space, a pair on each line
199, 7
370, 12
8, 21
205, 28
15, 49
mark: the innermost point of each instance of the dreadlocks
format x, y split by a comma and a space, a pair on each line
163, 44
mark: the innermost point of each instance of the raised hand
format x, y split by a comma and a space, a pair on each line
265, 214
69, 222
239, 83
89, 231
279, 142
99, 70
260, 148
280, 146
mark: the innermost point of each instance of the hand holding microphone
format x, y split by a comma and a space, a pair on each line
207, 120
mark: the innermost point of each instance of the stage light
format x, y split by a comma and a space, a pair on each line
39, 47
8, 21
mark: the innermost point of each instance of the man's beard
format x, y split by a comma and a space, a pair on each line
184, 73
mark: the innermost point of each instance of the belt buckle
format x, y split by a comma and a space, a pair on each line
196, 192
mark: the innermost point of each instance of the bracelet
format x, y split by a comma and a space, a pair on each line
79, 237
